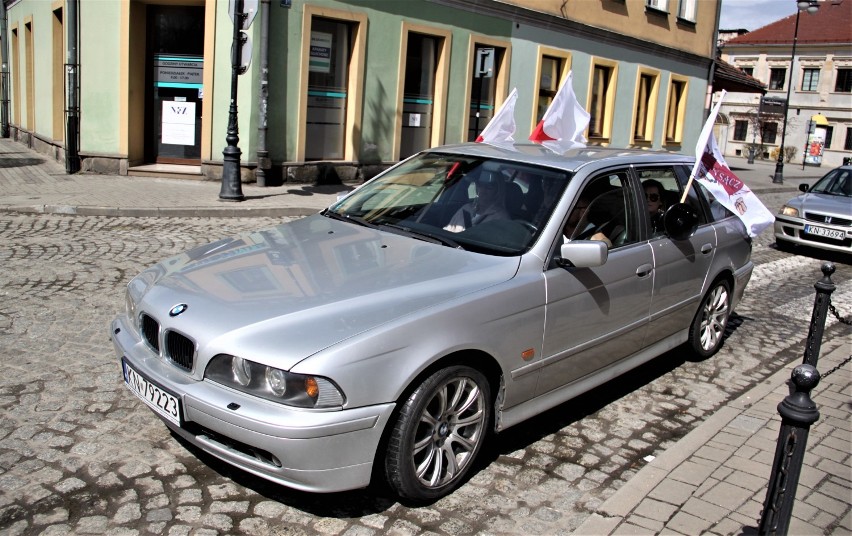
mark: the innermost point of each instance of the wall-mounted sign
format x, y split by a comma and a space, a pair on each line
174, 70
178, 124
320, 59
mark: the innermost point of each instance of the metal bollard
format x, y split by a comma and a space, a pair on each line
824, 287
798, 412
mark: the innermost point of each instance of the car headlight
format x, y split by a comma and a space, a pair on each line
300, 390
130, 305
787, 210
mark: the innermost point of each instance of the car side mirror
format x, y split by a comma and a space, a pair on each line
582, 254
803, 187
680, 221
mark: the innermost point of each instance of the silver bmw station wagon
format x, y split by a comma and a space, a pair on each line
460, 292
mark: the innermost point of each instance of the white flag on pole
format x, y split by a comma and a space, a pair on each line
564, 122
500, 129
713, 172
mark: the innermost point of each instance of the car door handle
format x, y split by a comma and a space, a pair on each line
706, 248
644, 270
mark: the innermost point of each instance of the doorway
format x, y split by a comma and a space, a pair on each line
174, 90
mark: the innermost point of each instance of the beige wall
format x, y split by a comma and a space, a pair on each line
623, 17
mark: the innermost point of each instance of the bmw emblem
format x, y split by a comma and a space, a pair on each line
178, 309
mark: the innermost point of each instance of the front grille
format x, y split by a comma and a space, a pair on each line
180, 349
151, 332
822, 218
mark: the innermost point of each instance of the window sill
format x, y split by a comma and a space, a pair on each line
656, 11
686, 22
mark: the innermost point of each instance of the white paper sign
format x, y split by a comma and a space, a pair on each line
178, 123
414, 120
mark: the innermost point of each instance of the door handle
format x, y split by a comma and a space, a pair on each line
706, 248
644, 270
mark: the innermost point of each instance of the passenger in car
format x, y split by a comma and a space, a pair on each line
654, 200
488, 204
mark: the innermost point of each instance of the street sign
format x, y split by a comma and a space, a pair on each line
484, 67
772, 105
250, 8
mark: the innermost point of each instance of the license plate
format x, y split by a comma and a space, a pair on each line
822, 231
164, 403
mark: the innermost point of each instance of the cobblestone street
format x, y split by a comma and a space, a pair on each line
79, 454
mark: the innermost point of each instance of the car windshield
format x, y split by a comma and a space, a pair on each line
835, 182
478, 204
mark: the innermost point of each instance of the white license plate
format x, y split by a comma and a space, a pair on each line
822, 231
160, 400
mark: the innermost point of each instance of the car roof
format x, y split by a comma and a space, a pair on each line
572, 160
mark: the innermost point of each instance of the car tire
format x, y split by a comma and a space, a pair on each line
711, 320
438, 433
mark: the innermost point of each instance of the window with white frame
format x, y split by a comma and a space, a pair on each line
777, 76
686, 10
810, 79
660, 5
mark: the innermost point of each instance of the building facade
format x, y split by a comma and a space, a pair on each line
819, 115
342, 86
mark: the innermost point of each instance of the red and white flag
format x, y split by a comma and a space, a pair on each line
713, 172
564, 122
500, 129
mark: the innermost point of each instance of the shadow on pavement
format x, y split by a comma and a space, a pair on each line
19, 162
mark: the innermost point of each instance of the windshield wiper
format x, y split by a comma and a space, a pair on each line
346, 217
427, 237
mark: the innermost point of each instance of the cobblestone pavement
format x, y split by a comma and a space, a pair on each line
79, 454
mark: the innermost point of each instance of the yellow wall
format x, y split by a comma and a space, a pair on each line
623, 17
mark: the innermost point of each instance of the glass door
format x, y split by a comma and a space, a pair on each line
175, 57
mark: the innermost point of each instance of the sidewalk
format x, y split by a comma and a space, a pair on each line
711, 481
34, 183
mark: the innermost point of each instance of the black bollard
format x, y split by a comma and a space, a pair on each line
824, 287
798, 413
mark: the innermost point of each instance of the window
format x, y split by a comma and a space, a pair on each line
829, 133
643, 114
748, 70
422, 100
675, 110
660, 5
553, 67
604, 211
810, 79
740, 130
844, 81
332, 85
686, 10
487, 84
847, 145
777, 77
662, 188
768, 132
602, 99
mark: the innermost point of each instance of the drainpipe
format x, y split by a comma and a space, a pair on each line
263, 164
72, 103
4, 74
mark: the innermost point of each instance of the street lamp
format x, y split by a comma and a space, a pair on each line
811, 6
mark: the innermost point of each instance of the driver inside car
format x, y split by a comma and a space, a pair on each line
488, 204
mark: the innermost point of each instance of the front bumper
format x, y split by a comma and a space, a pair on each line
310, 450
790, 229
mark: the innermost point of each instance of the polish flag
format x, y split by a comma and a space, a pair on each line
500, 129
716, 176
564, 122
